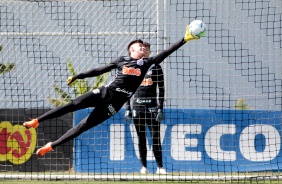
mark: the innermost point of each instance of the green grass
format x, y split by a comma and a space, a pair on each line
83, 178
126, 182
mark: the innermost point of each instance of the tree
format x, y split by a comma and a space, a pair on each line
241, 105
5, 67
79, 86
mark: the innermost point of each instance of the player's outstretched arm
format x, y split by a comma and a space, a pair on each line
92, 73
165, 53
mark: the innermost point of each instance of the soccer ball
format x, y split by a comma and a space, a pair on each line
197, 28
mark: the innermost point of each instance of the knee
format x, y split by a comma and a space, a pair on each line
78, 128
74, 102
81, 127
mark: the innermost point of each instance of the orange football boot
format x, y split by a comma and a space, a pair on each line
31, 124
45, 149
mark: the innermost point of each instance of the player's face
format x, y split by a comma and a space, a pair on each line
137, 50
147, 52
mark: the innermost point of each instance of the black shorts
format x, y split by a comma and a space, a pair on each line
113, 100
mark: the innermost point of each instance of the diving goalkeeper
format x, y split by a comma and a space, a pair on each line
109, 99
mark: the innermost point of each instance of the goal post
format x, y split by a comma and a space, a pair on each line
223, 92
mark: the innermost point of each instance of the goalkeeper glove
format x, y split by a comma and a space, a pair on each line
70, 80
188, 35
128, 116
160, 115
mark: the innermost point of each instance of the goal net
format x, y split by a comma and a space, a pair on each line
223, 92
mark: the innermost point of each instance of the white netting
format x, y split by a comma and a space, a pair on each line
220, 90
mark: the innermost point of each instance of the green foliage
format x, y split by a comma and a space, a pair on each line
5, 67
241, 105
79, 87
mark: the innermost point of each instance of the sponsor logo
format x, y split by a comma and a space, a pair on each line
140, 101
131, 71
124, 91
17, 143
147, 82
140, 62
112, 110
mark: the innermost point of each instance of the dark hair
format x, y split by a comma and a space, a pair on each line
131, 43
146, 44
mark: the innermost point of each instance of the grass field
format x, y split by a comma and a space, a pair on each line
127, 182
136, 178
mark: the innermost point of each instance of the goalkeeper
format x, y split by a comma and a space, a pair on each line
146, 110
108, 99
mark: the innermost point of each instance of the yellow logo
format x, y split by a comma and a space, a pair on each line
16, 143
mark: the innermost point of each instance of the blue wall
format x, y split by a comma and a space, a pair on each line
195, 140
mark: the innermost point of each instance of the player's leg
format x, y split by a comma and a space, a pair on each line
97, 116
140, 126
154, 127
89, 99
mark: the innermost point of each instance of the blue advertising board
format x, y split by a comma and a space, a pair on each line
193, 140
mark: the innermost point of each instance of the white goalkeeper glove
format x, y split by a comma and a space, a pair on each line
128, 116
160, 115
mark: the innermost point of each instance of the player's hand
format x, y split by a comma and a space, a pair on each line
160, 115
128, 116
70, 80
188, 35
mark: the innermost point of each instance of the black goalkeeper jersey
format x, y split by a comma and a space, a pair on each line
130, 71
130, 74
146, 96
